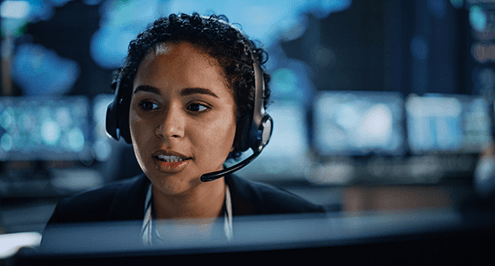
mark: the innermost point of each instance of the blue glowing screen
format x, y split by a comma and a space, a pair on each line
265, 21
451, 123
41, 71
43, 128
358, 123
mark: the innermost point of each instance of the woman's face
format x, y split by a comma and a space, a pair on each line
182, 117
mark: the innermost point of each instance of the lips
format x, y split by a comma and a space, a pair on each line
170, 161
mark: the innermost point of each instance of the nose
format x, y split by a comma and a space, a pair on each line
172, 123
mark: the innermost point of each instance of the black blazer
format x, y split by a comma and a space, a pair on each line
124, 201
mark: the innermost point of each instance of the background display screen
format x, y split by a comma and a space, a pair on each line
38, 128
358, 123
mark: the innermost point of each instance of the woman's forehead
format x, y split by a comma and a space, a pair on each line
179, 54
182, 49
171, 63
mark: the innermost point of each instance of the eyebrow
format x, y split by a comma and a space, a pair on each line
183, 92
147, 88
191, 91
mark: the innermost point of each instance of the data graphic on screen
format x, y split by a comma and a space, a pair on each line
447, 123
286, 155
39, 128
358, 123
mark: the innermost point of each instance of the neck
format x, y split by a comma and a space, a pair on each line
202, 203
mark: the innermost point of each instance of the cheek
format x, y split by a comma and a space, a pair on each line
142, 129
141, 133
219, 137
138, 127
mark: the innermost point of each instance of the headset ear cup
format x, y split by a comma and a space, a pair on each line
111, 121
125, 130
242, 140
117, 120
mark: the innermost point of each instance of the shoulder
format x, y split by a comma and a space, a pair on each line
111, 202
250, 197
121, 201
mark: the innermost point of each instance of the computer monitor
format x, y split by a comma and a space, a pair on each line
443, 236
447, 123
357, 123
43, 128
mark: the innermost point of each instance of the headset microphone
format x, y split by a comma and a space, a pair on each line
264, 137
215, 175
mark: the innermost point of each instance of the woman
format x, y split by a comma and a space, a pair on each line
189, 83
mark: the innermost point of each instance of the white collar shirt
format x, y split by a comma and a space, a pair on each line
150, 234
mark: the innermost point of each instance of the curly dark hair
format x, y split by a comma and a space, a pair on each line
217, 39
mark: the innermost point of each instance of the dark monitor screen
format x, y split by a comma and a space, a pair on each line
358, 123
447, 123
433, 237
43, 128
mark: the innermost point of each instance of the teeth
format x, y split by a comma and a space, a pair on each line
170, 159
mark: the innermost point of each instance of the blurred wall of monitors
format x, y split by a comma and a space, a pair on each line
44, 128
287, 154
447, 123
54, 128
355, 123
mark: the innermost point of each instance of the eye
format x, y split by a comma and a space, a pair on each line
148, 106
197, 107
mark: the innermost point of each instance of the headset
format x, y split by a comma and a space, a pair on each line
253, 131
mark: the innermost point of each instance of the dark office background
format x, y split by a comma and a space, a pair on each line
384, 60
369, 46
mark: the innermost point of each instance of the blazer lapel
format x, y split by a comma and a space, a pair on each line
241, 194
128, 203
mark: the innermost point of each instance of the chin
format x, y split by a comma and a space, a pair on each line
174, 184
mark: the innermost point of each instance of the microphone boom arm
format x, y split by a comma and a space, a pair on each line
215, 175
